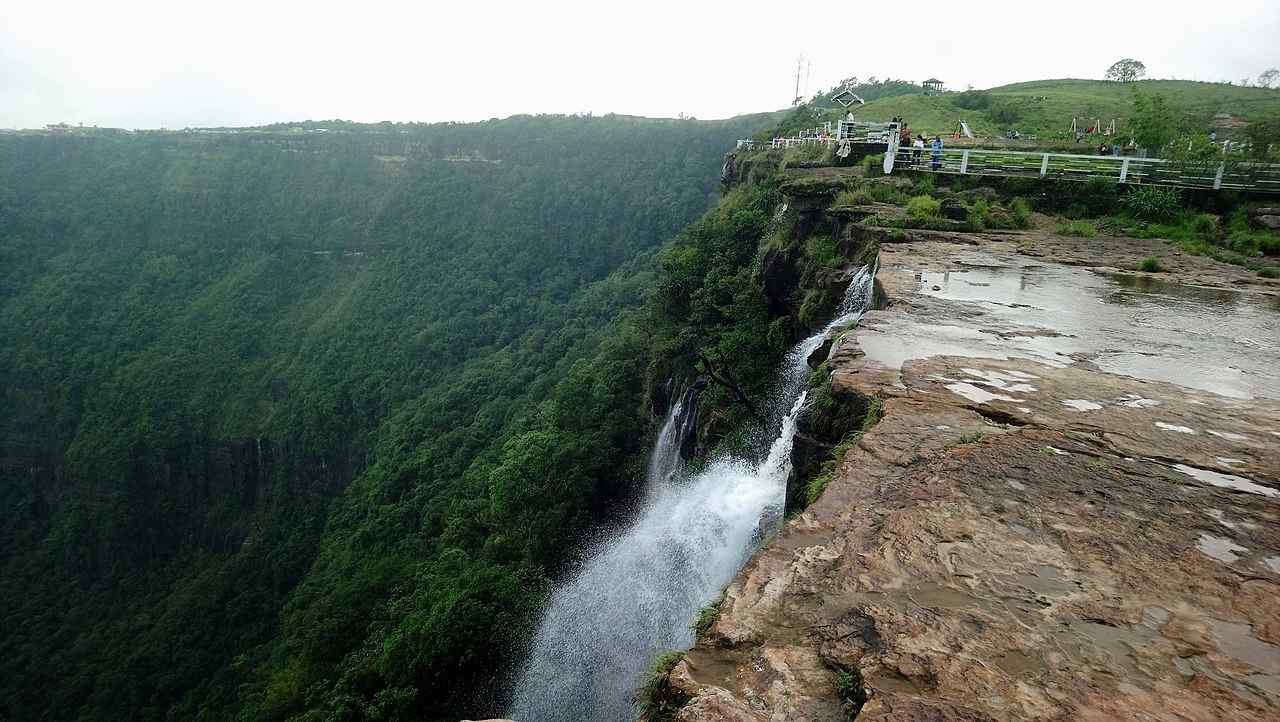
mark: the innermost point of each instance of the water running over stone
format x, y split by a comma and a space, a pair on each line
637, 592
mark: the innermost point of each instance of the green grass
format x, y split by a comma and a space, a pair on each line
1079, 229
659, 701
1203, 234
972, 437
1045, 107
851, 198
852, 691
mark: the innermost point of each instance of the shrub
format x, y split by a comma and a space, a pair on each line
923, 208
980, 215
1270, 272
808, 155
1152, 202
925, 185
873, 165
822, 251
1151, 264
1098, 195
1080, 229
851, 198
973, 99
659, 701
1205, 225
1021, 210
1005, 112
885, 193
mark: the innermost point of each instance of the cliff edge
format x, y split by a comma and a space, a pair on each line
1069, 510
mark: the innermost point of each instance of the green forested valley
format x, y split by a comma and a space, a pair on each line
301, 425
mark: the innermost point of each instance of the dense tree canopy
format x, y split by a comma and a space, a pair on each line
300, 425
1126, 70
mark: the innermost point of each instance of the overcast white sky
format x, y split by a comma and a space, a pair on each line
178, 63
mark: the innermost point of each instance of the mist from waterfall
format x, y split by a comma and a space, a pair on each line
637, 592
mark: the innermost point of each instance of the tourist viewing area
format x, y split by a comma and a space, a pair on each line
1226, 173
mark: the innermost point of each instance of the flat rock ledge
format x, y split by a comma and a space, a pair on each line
1017, 539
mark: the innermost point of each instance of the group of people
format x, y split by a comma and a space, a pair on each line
918, 144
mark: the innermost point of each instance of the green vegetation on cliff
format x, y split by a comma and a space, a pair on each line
302, 428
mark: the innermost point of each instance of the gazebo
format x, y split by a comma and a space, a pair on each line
932, 86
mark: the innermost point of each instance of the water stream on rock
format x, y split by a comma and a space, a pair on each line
637, 591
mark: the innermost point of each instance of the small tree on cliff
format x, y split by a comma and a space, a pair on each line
1126, 70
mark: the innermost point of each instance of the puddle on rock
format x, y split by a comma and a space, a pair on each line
1218, 340
1082, 404
1219, 547
977, 395
1137, 402
1226, 481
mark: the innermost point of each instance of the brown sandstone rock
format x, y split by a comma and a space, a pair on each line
1024, 536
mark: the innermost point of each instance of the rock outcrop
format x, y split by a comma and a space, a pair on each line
1070, 510
1266, 217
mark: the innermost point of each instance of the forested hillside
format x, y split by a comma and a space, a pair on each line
300, 425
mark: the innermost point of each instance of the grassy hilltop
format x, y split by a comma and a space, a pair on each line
1044, 108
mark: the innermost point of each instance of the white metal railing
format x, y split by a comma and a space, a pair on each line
1216, 174
854, 131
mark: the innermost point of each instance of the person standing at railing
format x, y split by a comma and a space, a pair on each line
935, 149
917, 147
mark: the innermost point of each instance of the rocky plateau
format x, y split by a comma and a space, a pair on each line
1070, 509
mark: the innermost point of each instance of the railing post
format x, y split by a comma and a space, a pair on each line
1044, 165
1124, 170
1217, 179
964, 162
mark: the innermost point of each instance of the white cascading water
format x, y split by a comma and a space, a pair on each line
638, 591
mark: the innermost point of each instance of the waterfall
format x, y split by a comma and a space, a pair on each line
638, 591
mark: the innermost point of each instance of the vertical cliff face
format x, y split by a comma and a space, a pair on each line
1067, 510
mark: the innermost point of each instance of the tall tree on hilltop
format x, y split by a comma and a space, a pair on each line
1126, 70
1268, 78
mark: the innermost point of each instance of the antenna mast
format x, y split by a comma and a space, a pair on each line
799, 71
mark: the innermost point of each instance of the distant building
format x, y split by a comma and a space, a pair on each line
933, 86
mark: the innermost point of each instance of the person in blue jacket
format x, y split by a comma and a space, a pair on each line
935, 149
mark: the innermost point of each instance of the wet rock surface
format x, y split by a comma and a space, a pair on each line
1070, 510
